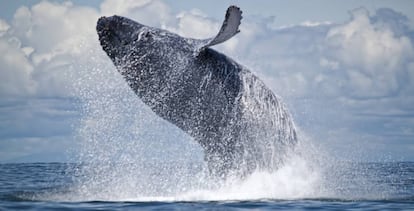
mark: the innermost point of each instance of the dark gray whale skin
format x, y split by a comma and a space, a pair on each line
238, 121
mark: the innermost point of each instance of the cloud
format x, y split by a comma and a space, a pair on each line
150, 12
4, 26
370, 56
125, 7
196, 25
16, 69
371, 53
37, 54
44, 41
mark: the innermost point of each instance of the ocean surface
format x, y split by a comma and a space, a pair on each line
357, 186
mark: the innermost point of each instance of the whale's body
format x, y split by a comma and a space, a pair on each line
238, 121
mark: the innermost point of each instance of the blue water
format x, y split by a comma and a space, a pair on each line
359, 186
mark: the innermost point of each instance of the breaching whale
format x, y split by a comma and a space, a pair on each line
237, 120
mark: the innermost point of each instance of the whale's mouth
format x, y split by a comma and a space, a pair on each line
116, 34
110, 41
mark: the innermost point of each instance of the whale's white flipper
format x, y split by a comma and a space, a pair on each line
229, 28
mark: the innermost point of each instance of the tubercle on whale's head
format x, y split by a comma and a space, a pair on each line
117, 34
136, 46
130, 46
147, 57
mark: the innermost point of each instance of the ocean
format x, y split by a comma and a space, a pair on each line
353, 186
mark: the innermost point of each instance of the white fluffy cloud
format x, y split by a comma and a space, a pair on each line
39, 45
363, 66
367, 55
4, 26
195, 24
43, 41
150, 12
16, 69
373, 55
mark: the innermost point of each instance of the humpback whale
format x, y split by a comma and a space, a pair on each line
239, 122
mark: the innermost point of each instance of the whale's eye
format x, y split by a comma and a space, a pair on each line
145, 35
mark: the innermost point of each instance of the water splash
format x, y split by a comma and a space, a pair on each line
128, 153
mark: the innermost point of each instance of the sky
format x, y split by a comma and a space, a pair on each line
345, 69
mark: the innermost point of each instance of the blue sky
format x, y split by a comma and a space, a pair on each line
344, 68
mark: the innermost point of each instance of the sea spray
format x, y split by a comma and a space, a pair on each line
127, 153
238, 121
122, 145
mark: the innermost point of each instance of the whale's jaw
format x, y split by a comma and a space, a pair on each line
117, 35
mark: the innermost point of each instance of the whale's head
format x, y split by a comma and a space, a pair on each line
120, 36
142, 54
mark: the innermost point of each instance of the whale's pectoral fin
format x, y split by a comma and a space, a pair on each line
229, 28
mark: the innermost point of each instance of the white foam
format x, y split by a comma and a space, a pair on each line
294, 180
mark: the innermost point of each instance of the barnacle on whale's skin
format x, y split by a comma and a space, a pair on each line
239, 122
